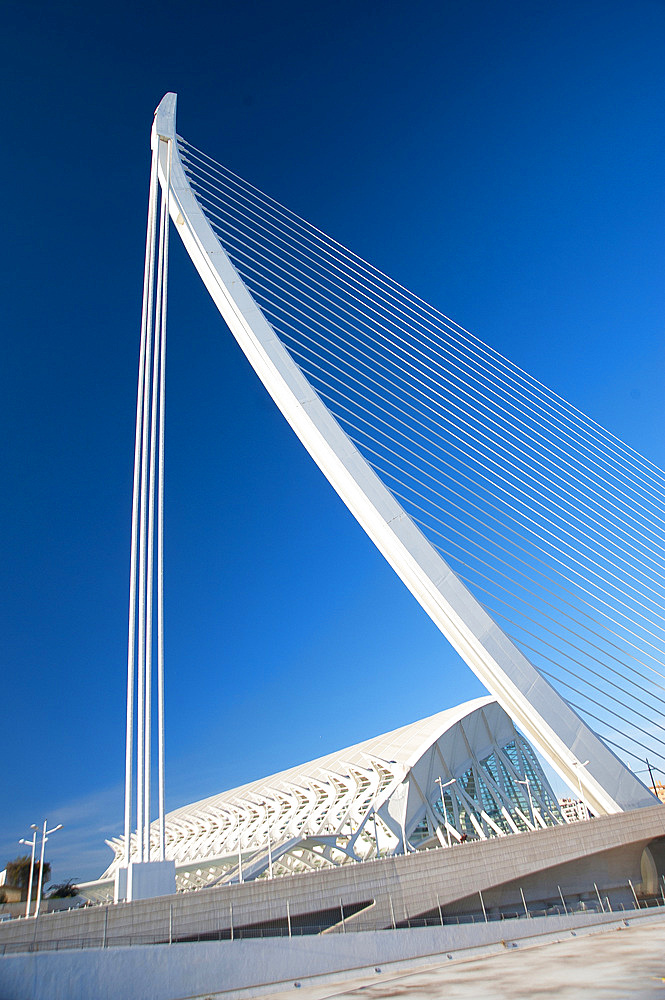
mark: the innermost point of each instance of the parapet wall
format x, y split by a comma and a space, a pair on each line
239, 970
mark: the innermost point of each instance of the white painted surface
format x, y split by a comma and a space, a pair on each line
150, 879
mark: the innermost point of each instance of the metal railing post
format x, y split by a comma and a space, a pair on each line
599, 899
637, 904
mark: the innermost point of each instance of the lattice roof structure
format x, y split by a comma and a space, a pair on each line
374, 799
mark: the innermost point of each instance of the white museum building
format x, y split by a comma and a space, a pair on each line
462, 774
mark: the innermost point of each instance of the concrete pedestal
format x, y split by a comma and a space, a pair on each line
145, 880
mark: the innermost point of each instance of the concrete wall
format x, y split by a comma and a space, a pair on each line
248, 968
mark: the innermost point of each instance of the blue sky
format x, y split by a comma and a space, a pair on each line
503, 160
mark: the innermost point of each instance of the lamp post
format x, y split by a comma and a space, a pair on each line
376, 832
45, 835
653, 780
578, 764
525, 781
443, 803
269, 843
239, 848
32, 842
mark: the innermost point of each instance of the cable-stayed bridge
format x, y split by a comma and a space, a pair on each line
530, 535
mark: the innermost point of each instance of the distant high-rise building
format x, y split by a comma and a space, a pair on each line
573, 810
658, 790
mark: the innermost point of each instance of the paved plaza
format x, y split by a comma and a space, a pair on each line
613, 965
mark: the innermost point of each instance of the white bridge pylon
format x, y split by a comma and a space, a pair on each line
581, 758
147, 540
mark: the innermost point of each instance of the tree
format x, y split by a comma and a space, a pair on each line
62, 890
18, 874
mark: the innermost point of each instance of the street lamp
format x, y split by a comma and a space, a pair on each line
32, 842
45, 835
376, 832
269, 843
578, 764
525, 781
443, 803
239, 848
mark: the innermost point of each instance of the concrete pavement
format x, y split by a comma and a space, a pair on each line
624, 964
